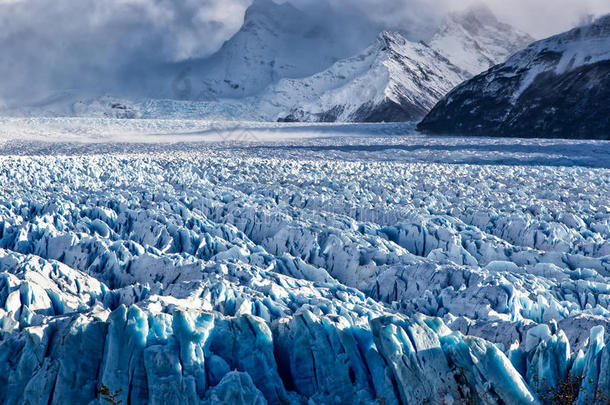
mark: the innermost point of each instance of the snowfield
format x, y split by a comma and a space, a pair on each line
190, 262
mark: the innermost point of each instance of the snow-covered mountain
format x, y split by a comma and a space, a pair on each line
276, 41
557, 87
396, 79
393, 80
283, 64
474, 39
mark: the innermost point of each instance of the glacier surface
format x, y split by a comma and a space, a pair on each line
186, 262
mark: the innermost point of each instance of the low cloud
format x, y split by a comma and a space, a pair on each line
63, 44
540, 18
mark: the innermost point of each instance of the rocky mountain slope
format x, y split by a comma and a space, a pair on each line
557, 87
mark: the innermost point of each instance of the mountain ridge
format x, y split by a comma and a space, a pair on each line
557, 87
284, 65
400, 81
475, 40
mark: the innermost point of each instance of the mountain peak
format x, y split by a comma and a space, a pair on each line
557, 87
262, 4
270, 10
600, 27
388, 38
475, 40
478, 13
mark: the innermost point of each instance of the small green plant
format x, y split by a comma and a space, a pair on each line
110, 396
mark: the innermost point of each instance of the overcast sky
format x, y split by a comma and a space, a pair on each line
540, 18
59, 43
183, 28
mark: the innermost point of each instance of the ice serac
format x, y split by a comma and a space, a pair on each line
235, 388
198, 358
556, 88
190, 278
595, 379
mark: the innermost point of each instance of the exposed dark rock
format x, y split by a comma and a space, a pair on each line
557, 88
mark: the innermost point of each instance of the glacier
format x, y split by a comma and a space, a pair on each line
202, 263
